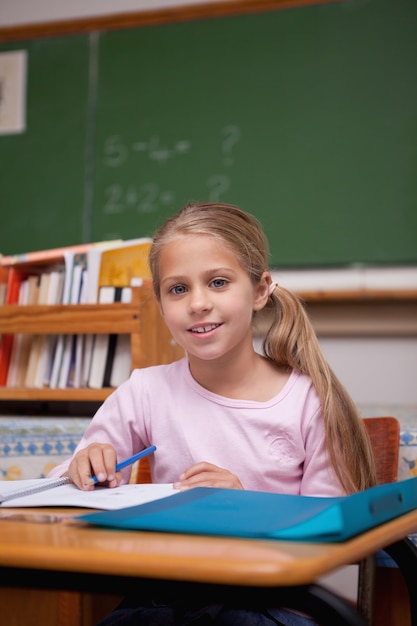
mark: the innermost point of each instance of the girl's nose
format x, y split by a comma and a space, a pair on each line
199, 300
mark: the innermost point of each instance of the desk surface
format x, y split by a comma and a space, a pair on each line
71, 547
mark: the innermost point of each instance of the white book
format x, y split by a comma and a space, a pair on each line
3, 291
48, 343
36, 347
69, 256
18, 339
80, 340
27, 339
101, 345
122, 363
69, 347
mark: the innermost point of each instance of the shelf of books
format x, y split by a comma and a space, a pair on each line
96, 321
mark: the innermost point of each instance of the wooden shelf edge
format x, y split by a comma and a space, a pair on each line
52, 395
359, 295
69, 319
76, 318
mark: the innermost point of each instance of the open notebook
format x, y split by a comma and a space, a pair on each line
58, 492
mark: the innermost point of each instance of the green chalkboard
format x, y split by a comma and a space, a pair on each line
42, 170
306, 117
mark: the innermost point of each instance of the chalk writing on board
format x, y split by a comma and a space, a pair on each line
117, 151
218, 184
146, 198
232, 135
150, 197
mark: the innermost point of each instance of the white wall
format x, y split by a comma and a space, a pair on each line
377, 371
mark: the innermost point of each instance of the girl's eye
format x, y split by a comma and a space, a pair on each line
219, 282
178, 290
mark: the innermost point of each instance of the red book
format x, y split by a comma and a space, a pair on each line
15, 278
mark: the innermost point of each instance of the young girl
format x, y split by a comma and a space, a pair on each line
224, 415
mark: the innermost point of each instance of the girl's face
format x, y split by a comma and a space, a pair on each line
207, 298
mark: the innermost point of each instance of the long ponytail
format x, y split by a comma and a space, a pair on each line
291, 341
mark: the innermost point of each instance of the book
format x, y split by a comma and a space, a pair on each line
26, 339
111, 345
44, 262
17, 339
100, 345
28, 295
92, 290
3, 285
261, 515
40, 492
116, 264
69, 257
122, 361
18, 266
15, 278
122, 264
64, 361
78, 378
37, 343
69, 261
113, 266
48, 342
3, 291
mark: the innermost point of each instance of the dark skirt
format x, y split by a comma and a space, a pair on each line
170, 613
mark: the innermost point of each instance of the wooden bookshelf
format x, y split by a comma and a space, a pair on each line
151, 342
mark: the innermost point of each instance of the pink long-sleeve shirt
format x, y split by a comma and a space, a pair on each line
277, 446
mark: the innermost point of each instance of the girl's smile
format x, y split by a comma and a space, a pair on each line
205, 329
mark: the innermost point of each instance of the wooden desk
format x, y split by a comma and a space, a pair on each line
65, 555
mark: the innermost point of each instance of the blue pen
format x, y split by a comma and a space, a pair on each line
131, 460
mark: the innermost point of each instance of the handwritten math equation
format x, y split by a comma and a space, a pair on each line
150, 196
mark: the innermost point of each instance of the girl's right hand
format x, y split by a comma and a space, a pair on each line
98, 459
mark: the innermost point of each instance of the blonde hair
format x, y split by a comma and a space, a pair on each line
290, 340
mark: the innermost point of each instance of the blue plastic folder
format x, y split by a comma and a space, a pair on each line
255, 514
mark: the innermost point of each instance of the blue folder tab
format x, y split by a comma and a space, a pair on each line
256, 514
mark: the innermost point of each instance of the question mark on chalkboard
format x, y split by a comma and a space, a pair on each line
233, 134
218, 184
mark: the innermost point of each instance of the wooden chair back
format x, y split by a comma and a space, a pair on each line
143, 474
384, 435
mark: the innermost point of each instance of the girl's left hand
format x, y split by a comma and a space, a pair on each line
207, 475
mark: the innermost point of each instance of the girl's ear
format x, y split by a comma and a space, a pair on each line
262, 292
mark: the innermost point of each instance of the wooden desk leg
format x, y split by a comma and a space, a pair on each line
404, 553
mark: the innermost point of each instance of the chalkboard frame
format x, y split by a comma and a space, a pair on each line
135, 19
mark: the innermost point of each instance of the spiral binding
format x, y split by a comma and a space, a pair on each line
28, 491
